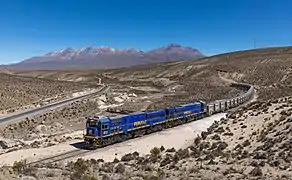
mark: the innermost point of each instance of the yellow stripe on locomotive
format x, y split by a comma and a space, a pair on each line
187, 112
139, 123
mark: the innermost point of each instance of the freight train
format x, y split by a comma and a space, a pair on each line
105, 131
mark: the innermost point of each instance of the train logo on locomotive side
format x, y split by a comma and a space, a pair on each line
139, 123
187, 112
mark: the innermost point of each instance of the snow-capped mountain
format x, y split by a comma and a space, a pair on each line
103, 50
107, 57
70, 53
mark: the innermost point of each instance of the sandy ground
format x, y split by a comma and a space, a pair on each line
177, 137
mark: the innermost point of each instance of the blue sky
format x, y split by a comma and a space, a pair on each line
34, 27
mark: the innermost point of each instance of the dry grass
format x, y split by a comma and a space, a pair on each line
243, 146
18, 91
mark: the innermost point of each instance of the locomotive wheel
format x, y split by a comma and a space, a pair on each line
119, 138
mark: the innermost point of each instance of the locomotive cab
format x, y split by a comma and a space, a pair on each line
92, 127
95, 129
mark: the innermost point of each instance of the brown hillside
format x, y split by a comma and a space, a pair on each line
269, 70
17, 91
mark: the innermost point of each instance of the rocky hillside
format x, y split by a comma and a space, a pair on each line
254, 142
269, 70
169, 79
106, 57
19, 92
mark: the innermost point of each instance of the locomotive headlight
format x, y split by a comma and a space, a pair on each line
90, 132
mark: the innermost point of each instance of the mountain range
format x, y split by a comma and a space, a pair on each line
106, 57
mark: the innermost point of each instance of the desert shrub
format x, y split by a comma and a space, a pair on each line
50, 174
246, 143
256, 172
162, 148
194, 170
204, 134
176, 158
153, 158
216, 137
128, 157
107, 167
155, 151
171, 150
231, 170
88, 177
21, 167
120, 168
116, 160
100, 160
219, 129
148, 168
183, 153
18, 166
244, 126
136, 154
93, 161
165, 161
105, 177
79, 168
222, 145
197, 140
150, 177
228, 134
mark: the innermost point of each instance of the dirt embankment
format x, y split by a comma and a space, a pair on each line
252, 143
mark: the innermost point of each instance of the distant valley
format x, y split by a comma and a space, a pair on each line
106, 57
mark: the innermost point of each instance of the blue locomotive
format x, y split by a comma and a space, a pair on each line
109, 130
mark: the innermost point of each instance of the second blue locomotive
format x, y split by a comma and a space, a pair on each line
109, 130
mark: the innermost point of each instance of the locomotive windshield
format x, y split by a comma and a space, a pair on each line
92, 123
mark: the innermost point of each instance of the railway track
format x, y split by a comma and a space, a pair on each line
60, 157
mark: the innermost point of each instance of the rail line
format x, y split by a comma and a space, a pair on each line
60, 157
77, 152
